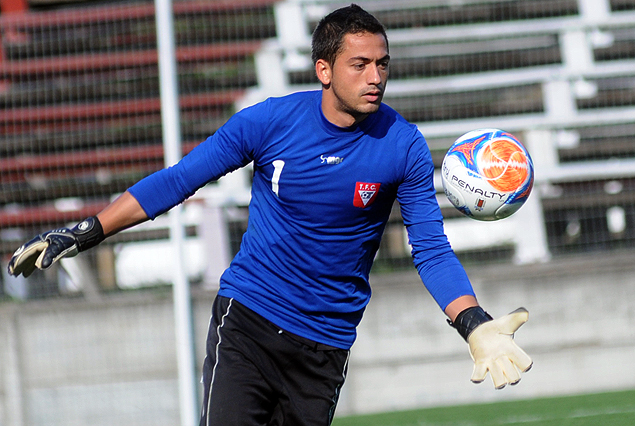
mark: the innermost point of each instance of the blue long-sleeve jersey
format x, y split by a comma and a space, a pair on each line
321, 197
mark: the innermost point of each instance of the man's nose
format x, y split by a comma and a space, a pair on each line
374, 74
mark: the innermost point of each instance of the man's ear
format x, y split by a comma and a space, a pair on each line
323, 71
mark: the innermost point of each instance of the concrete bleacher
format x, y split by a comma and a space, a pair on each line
559, 74
80, 114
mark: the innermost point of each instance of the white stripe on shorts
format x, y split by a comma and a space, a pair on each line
211, 383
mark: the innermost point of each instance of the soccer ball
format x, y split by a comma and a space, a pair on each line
487, 174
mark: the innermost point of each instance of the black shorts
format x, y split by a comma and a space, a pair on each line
256, 374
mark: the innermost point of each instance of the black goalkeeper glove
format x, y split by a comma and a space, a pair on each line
47, 248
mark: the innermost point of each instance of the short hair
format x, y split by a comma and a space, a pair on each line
328, 36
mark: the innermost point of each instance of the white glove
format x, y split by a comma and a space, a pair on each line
493, 349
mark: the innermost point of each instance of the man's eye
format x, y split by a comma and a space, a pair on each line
359, 66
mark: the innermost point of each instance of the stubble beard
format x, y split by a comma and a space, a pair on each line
359, 111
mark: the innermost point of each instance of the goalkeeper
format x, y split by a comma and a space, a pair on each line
328, 166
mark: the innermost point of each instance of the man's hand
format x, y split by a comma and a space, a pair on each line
493, 349
47, 248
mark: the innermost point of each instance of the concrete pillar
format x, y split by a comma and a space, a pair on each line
594, 10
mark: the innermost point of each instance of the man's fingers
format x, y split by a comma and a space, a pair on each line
502, 371
47, 257
512, 375
520, 359
59, 246
513, 321
25, 258
498, 375
479, 373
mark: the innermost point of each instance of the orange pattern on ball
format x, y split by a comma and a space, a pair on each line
505, 165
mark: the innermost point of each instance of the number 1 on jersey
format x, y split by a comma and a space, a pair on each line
275, 179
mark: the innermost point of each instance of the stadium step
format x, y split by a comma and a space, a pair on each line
79, 96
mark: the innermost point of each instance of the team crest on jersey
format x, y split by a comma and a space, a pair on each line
365, 194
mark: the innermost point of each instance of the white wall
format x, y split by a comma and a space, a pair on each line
580, 334
73, 362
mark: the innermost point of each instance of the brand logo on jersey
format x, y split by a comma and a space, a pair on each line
365, 194
331, 159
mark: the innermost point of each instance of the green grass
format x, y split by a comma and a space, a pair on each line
605, 409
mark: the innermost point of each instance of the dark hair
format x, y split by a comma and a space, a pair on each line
328, 36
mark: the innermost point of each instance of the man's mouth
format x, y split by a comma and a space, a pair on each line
373, 96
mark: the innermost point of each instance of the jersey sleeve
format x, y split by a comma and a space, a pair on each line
229, 148
439, 269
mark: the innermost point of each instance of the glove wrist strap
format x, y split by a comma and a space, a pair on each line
88, 233
467, 320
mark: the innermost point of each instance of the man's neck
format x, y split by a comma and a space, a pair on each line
336, 115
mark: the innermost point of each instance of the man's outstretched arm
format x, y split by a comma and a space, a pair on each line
123, 213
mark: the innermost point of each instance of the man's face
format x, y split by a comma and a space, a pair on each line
354, 85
